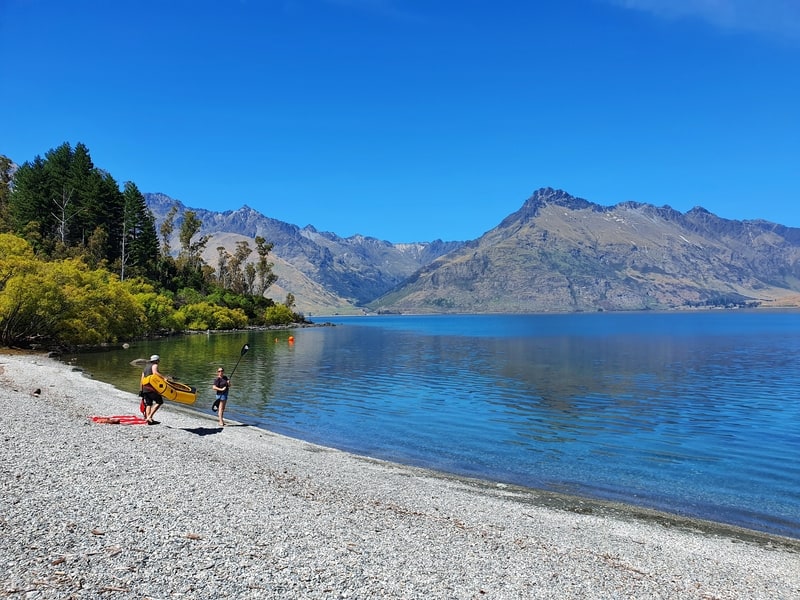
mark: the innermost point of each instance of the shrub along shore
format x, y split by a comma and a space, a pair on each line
188, 509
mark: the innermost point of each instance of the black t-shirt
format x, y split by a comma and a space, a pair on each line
221, 382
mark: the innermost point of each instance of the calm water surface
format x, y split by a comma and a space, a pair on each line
697, 414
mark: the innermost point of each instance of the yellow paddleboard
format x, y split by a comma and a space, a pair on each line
172, 390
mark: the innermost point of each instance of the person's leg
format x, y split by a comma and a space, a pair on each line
221, 411
148, 405
156, 406
153, 406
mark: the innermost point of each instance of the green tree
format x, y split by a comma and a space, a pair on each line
62, 301
223, 269
96, 247
16, 256
203, 315
138, 240
190, 255
159, 308
263, 267
166, 269
61, 201
191, 268
236, 265
5, 192
166, 230
249, 278
99, 307
29, 205
280, 314
106, 211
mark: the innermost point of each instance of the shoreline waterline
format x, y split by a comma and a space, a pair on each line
547, 499
666, 413
366, 525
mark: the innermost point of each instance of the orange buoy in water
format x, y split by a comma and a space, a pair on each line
291, 339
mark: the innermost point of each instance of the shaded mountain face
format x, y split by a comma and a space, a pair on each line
561, 253
325, 273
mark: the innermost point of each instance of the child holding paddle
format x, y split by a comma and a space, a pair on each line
221, 386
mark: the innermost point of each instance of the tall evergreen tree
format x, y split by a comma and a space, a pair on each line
100, 203
61, 201
138, 245
5, 191
29, 207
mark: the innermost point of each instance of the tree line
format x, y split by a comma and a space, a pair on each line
81, 261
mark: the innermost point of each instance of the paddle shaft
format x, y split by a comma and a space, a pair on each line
245, 348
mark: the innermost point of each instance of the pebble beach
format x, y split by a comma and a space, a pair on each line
187, 509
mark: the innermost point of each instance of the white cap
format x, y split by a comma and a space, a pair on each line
155, 358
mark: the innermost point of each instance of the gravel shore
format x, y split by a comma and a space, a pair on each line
189, 510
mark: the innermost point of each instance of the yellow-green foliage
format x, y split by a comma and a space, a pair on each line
65, 301
15, 256
159, 309
100, 307
202, 315
62, 301
279, 314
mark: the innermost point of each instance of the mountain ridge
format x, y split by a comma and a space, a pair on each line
557, 252
344, 273
562, 253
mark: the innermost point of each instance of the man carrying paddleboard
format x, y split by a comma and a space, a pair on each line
152, 399
221, 386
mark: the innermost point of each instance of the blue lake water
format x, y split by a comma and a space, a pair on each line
697, 414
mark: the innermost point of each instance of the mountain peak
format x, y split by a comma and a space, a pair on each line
545, 197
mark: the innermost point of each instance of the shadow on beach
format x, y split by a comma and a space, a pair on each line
202, 431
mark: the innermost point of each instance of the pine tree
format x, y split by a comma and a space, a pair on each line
64, 204
5, 191
138, 245
29, 207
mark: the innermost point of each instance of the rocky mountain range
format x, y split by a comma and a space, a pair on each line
556, 253
324, 272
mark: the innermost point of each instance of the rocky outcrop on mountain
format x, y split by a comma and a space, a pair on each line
561, 253
326, 273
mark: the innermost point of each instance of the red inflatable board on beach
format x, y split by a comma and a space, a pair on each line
120, 420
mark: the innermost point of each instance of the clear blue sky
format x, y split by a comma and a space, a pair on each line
411, 120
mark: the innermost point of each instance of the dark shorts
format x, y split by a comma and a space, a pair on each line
222, 397
152, 397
